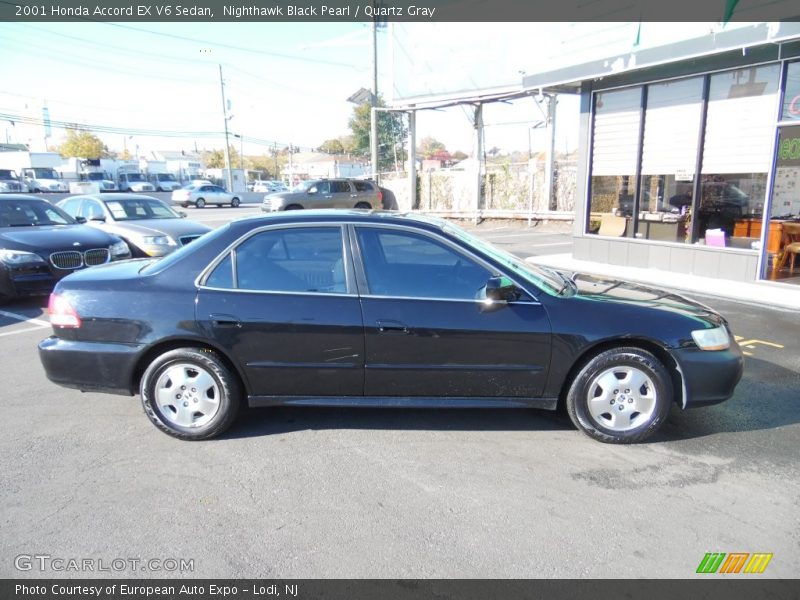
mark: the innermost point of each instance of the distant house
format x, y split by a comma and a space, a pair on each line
185, 165
314, 165
13, 148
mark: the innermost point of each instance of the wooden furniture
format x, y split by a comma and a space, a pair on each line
751, 228
791, 244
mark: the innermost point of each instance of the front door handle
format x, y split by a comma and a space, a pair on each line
221, 320
396, 327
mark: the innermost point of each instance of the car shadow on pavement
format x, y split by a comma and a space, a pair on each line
27, 308
767, 398
284, 419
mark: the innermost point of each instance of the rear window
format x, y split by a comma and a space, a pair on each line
363, 186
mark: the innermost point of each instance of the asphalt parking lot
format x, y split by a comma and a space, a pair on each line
325, 493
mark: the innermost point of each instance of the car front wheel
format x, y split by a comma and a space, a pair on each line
620, 396
235, 203
200, 203
190, 394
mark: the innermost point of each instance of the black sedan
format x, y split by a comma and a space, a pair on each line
333, 308
40, 244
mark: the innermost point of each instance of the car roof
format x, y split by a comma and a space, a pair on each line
105, 197
21, 197
334, 215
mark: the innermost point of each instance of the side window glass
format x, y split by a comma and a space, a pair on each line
222, 275
323, 187
410, 265
363, 186
307, 259
340, 187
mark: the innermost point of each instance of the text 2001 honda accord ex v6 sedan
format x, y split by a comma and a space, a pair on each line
379, 309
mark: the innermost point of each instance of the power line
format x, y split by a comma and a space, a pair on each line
236, 48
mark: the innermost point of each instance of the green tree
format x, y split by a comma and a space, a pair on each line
332, 146
83, 144
430, 147
391, 134
459, 155
215, 159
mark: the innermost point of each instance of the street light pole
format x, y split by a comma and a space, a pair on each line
373, 117
225, 121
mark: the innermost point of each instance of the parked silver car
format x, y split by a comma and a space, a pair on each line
326, 193
203, 194
148, 225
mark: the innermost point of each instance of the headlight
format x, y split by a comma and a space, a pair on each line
18, 257
712, 339
119, 249
158, 240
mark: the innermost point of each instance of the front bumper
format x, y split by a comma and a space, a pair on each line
90, 366
709, 377
25, 281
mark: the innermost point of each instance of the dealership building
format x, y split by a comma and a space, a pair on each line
689, 148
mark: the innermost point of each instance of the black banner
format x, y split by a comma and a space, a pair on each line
733, 588
394, 10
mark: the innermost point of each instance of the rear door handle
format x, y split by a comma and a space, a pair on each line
221, 320
395, 327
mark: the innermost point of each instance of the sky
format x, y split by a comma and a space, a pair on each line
286, 83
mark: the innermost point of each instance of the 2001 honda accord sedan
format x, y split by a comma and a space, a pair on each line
357, 308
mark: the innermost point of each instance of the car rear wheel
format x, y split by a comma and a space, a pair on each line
200, 203
190, 394
366, 205
620, 396
235, 202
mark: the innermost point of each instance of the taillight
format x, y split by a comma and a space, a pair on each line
61, 313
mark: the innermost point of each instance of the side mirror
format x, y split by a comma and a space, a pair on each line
182, 214
501, 290
312, 190
80, 220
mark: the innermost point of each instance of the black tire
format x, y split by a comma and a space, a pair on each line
235, 202
643, 410
293, 207
366, 205
159, 189
189, 360
200, 203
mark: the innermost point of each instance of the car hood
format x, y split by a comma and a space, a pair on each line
54, 237
594, 288
173, 227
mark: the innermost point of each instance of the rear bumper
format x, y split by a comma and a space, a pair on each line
709, 377
90, 366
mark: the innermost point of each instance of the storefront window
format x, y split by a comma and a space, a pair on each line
791, 101
614, 154
739, 140
673, 113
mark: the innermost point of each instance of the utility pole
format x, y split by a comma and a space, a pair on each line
552, 202
225, 121
373, 136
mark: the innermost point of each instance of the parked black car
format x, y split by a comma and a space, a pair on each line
40, 244
380, 309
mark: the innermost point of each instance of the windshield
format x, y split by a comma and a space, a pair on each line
95, 176
134, 177
166, 177
7, 174
44, 173
542, 277
138, 209
303, 186
31, 213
